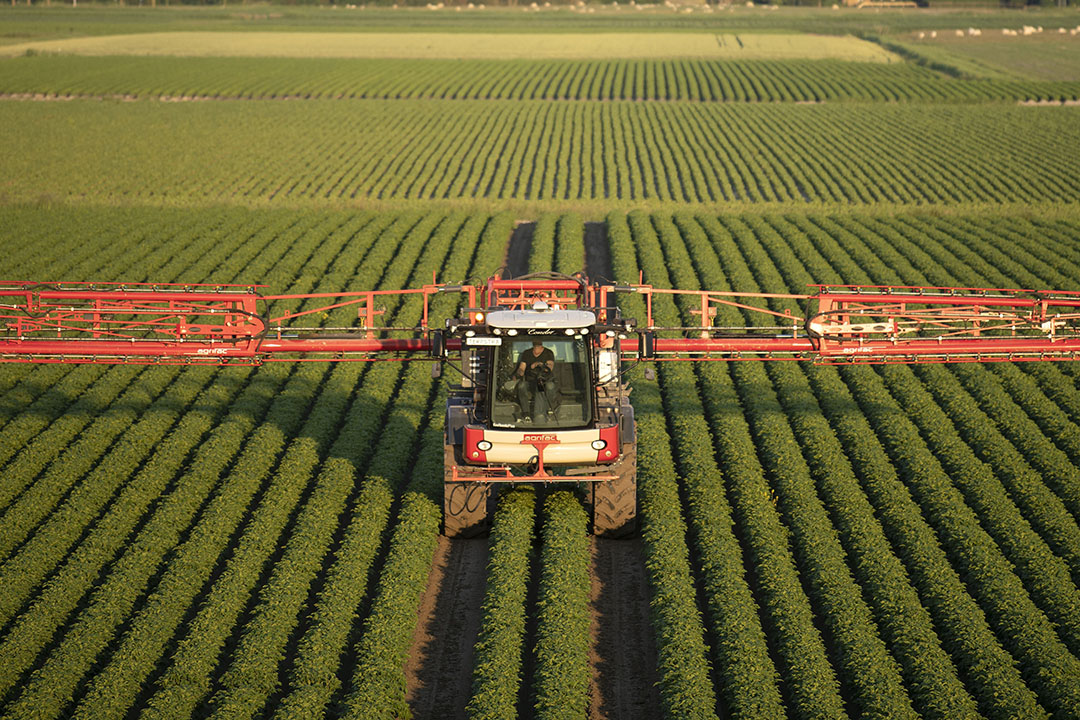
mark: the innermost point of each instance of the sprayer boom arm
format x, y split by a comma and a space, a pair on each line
233, 324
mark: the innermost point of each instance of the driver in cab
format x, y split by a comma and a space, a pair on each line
536, 378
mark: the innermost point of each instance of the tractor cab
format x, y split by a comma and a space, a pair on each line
541, 370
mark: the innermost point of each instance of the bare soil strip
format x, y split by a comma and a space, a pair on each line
598, 254
623, 657
439, 671
517, 250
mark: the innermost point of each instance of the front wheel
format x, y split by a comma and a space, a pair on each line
615, 501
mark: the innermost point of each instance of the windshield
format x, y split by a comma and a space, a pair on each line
541, 381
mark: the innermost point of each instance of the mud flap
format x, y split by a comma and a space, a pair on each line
614, 503
466, 505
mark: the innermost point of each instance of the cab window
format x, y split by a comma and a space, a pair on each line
541, 384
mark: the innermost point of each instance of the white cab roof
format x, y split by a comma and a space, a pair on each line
527, 319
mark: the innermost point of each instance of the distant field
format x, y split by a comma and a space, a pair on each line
642, 79
505, 46
23, 23
1046, 56
351, 151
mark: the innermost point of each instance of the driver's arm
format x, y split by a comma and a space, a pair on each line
520, 369
550, 364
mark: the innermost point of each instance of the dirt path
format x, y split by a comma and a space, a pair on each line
439, 671
597, 253
623, 657
517, 250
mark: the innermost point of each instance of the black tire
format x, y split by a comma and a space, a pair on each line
466, 505
615, 501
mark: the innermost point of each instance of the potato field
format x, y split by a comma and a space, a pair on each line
815, 541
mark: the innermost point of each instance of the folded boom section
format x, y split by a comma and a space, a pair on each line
233, 324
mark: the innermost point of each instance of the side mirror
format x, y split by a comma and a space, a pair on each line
647, 347
438, 347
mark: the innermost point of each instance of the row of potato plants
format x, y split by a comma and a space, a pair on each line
690, 79
75, 400
543, 150
686, 687
863, 660
1022, 626
542, 246
499, 649
165, 606
92, 488
981, 662
80, 570
253, 675
747, 678
379, 684
821, 526
561, 669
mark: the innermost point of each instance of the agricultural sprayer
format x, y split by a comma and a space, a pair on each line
540, 392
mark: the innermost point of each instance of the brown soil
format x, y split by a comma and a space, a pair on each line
516, 263
623, 656
439, 671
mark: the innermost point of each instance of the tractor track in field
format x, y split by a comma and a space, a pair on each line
516, 262
622, 659
438, 673
623, 655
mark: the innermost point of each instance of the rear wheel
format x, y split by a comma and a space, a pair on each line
465, 504
615, 501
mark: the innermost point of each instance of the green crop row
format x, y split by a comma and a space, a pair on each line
330, 470
570, 245
561, 675
969, 548
689, 79
81, 568
166, 605
811, 683
542, 247
500, 646
686, 688
532, 150
378, 684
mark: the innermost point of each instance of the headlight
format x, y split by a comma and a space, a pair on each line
485, 445
596, 444
479, 317
511, 332
569, 331
470, 333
